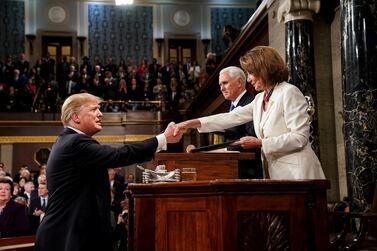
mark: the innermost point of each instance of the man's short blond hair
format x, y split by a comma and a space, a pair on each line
74, 103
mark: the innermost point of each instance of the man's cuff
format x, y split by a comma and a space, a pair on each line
162, 144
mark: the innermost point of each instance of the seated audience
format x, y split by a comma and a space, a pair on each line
13, 219
121, 228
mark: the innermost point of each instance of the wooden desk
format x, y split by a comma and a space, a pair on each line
209, 166
225, 215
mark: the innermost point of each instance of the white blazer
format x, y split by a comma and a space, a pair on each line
284, 130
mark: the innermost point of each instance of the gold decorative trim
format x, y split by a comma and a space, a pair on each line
52, 139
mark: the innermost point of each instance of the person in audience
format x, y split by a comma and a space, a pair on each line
28, 189
147, 91
3, 96
121, 73
50, 96
21, 186
41, 180
62, 72
97, 86
37, 207
83, 81
22, 64
174, 94
111, 86
47, 71
72, 79
154, 68
194, 72
86, 65
16, 190
181, 75
117, 189
118, 175
122, 93
13, 219
280, 116
121, 228
41, 171
17, 176
111, 66
73, 62
134, 92
2, 168
12, 102
18, 82
210, 63
25, 174
160, 90
130, 179
232, 82
78, 212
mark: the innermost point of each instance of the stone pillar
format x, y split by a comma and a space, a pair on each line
359, 82
297, 15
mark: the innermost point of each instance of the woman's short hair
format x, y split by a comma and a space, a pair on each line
74, 103
266, 63
5, 180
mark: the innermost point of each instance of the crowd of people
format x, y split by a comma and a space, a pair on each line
24, 199
46, 84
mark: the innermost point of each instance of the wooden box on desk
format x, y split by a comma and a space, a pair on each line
225, 215
209, 166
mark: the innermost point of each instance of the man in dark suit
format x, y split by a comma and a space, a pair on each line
78, 212
232, 81
37, 207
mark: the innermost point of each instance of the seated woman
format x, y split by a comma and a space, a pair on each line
13, 219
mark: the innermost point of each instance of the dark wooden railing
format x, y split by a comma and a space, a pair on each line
21, 243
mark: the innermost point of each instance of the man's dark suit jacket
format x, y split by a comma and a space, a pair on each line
35, 203
247, 169
78, 211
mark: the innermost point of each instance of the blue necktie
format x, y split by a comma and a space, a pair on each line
231, 107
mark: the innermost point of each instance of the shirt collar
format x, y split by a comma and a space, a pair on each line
235, 102
76, 130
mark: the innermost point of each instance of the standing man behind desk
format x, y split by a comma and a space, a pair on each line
78, 212
232, 81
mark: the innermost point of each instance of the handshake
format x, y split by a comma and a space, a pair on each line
174, 132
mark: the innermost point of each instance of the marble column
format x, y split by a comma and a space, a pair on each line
297, 15
359, 81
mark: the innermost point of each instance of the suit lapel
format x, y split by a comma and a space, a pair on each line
270, 107
242, 100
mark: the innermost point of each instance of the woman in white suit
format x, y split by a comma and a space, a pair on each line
280, 118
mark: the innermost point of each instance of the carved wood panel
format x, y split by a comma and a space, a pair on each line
263, 231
